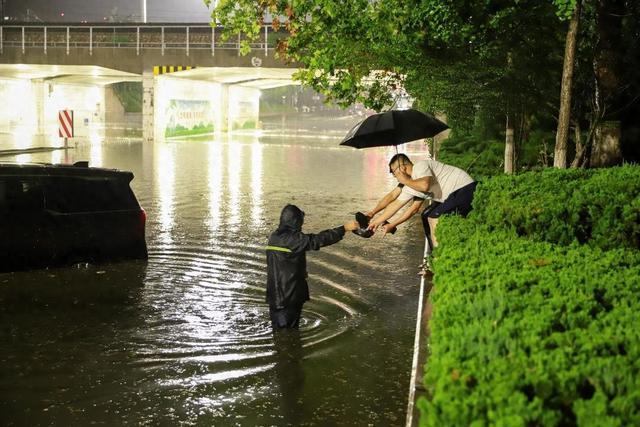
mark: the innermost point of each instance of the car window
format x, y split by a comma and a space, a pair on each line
68, 195
19, 196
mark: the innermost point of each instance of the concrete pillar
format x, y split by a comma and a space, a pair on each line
224, 108
148, 91
114, 114
40, 92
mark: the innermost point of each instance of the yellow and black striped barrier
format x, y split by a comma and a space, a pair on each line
166, 69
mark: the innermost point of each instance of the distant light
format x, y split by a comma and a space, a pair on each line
6, 18
61, 13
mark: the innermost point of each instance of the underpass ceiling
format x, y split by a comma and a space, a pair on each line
69, 74
255, 77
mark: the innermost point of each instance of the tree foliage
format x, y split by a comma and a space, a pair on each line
457, 57
451, 55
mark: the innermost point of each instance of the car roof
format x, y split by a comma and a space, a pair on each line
78, 169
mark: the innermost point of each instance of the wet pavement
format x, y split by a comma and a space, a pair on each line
184, 338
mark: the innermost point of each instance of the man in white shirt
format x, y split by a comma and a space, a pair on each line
450, 186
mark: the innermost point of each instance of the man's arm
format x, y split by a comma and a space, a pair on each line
419, 184
408, 213
309, 242
390, 211
384, 202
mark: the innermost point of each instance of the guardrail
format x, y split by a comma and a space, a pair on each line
138, 37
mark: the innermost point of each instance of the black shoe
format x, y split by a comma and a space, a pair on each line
363, 222
363, 232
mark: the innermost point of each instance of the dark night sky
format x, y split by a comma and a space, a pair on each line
97, 10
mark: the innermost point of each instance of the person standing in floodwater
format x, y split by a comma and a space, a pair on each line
287, 288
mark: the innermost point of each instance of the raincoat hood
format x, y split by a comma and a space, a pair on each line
291, 218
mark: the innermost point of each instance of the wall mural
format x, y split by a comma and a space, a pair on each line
187, 117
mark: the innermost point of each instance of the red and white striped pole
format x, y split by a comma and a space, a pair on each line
65, 125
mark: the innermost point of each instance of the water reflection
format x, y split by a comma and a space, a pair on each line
164, 168
195, 345
58, 156
95, 141
289, 374
256, 181
214, 169
234, 172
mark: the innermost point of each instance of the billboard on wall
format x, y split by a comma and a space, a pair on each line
187, 117
245, 116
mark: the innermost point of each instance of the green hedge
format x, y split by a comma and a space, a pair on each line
526, 331
531, 333
598, 206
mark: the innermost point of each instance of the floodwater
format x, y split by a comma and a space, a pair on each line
184, 338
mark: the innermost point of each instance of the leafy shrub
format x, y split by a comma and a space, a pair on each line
536, 303
600, 207
528, 332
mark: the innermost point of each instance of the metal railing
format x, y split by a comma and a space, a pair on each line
138, 37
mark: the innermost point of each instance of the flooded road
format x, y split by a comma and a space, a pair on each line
185, 338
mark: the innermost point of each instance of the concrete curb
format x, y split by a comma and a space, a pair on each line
18, 151
416, 388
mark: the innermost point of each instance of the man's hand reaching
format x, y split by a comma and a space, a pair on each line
386, 228
373, 225
351, 225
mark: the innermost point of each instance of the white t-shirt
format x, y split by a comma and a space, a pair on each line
445, 180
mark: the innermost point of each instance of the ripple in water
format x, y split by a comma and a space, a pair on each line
208, 311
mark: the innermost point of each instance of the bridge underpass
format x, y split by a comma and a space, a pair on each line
196, 101
77, 67
34, 94
220, 99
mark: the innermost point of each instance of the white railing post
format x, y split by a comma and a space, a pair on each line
162, 40
45, 40
23, 40
137, 40
1, 40
67, 40
213, 40
187, 41
266, 34
90, 40
238, 44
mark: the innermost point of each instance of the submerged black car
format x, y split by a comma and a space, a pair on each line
54, 215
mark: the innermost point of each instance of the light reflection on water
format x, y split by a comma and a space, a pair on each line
164, 188
189, 341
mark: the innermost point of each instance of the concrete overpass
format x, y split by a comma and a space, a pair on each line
134, 49
219, 78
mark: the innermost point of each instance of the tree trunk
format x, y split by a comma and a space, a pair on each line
580, 151
509, 148
439, 138
606, 149
564, 117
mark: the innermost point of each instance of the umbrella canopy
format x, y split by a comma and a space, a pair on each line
393, 127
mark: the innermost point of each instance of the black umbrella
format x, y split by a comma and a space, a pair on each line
393, 127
